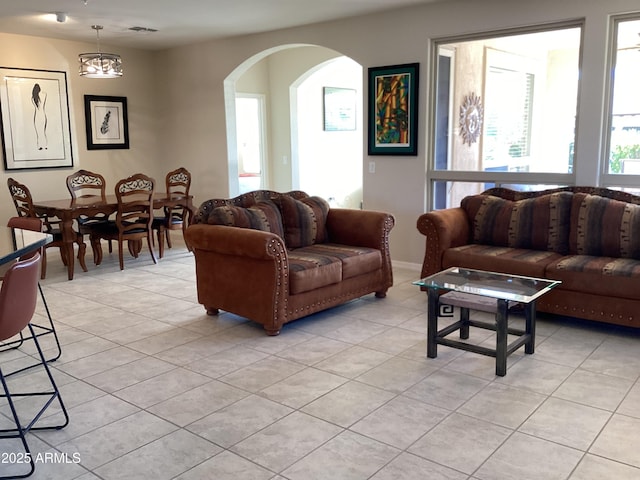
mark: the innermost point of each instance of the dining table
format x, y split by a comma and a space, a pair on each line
16, 242
69, 210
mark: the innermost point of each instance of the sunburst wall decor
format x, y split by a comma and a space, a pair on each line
471, 118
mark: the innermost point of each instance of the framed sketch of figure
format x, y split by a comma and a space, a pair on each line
106, 122
36, 128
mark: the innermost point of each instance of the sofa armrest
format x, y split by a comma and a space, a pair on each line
444, 229
363, 228
235, 241
243, 271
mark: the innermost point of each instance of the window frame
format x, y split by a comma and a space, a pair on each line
497, 178
614, 180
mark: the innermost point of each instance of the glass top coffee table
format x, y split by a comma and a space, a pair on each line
487, 291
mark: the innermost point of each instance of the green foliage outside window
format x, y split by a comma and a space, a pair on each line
621, 152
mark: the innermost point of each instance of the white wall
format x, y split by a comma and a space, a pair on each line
329, 162
286, 67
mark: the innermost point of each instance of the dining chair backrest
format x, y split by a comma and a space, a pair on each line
135, 203
85, 183
177, 183
21, 197
18, 296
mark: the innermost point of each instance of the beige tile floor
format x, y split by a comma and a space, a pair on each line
158, 390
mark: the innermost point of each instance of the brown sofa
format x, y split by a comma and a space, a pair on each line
587, 237
275, 257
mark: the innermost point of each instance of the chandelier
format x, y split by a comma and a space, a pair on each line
98, 64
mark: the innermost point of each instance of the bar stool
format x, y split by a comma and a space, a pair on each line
18, 296
33, 224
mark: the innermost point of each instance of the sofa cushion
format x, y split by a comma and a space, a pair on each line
540, 223
303, 221
355, 260
602, 276
309, 270
604, 227
516, 261
320, 209
263, 216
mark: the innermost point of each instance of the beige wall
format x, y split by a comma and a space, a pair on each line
138, 85
398, 186
176, 97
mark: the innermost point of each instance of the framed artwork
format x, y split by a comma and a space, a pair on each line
393, 110
36, 128
339, 109
106, 122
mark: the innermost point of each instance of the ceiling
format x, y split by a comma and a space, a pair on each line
178, 22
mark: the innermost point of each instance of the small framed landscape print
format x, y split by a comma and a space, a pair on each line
393, 110
106, 122
339, 109
36, 127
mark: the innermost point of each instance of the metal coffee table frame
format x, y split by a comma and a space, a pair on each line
473, 284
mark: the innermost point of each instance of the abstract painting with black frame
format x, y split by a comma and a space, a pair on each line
106, 122
36, 127
393, 110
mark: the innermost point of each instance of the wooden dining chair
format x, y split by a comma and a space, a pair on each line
35, 225
134, 217
84, 184
23, 202
177, 183
18, 296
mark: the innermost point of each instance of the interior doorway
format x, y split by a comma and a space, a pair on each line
250, 128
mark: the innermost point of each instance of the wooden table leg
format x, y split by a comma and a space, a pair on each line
68, 239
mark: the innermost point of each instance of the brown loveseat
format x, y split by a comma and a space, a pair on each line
276, 257
587, 237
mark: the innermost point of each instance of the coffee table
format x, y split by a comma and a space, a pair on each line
470, 289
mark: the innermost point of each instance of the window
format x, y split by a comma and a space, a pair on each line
624, 138
504, 111
507, 117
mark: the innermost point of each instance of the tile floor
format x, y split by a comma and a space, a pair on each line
158, 390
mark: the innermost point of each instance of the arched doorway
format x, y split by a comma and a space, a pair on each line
276, 75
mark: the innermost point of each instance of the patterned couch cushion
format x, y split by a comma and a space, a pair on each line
309, 270
540, 223
303, 220
604, 276
355, 260
604, 227
518, 261
263, 216
319, 265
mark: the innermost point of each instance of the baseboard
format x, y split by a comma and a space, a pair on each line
406, 265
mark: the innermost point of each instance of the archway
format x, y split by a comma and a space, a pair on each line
277, 73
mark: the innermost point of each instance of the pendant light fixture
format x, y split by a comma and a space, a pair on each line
98, 64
